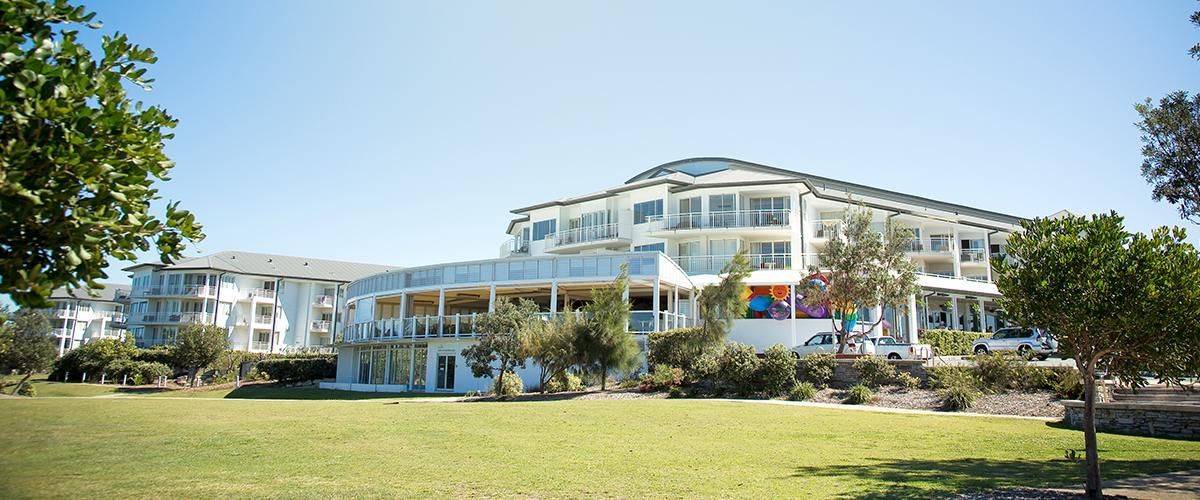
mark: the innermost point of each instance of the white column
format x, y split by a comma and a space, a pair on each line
953, 323
441, 310
492, 299
403, 309
987, 257
553, 298
957, 254
982, 316
692, 301
912, 319
655, 303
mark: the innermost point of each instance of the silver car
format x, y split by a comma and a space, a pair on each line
828, 342
1028, 342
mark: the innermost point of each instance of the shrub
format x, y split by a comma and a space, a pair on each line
951, 342
818, 368
802, 391
27, 390
738, 368
959, 392
629, 383
942, 376
907, 381
999, 372
687, 349
777, 370
661, 379
874, 371
150, 371
859, 394
564, 382
1068, 383
157, 354
675, 392
303, 368
513, 386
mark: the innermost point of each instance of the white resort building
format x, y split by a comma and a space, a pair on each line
79, 316
675, 225
268, 303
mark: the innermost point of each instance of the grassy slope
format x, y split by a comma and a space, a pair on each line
148, 447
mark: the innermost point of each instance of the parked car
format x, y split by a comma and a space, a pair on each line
828, 342
890, 349
1028, 342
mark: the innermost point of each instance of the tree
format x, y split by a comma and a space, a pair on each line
198, 346
99, 355
1171, 151
29, 346
78, 159
720, 304
502, 347
605, 343
551, 345
865, 269
1123, 303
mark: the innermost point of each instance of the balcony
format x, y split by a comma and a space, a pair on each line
463, 326
262, 319
178, 291
931, 247
731, 219
584, 237
323, 301
320, 326
260, 346
825, 229
169, 317
973, 256
260, 294
712, 264
515, 247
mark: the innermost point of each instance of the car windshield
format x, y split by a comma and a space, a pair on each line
1008, 333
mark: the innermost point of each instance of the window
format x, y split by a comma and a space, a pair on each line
721, 210
445, 372
647, 209
592, 219
653, 247
689, 205
419, 364
401, 365
772, 203
689, 249
268, 285
771, 247
542, 228
722, 247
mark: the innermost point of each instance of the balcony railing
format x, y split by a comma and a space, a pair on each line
262, 319
170, 317
712, 264
260, 293
780, 218
464, 326
588, 234
973, 255
179, 291
950, 275
514, 247
931, 246
323, 301
320, 326
825, 229
260, 346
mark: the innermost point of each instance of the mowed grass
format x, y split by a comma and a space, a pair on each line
48, 389
150, 447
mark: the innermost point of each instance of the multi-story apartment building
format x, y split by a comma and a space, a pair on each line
82, 315
268, 303
675, 225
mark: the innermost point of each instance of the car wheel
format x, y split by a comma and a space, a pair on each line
980, 349
893, 356
1025, 352
795, 355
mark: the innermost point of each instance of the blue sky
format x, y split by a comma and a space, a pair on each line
403, 132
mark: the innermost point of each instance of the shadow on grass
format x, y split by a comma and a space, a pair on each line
925, 478
275, 391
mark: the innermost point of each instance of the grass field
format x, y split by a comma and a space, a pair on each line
153, 447
48, 389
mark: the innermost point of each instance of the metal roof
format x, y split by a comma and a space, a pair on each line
282, 266
111, 292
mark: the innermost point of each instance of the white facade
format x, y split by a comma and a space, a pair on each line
693, 215
78, 316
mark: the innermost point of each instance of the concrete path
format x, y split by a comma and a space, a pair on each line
881, 409
1169, 486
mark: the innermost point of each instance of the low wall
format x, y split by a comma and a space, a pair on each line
1160, 420
844, 374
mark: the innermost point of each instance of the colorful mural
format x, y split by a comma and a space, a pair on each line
776, 302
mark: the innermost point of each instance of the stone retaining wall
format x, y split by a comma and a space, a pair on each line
1161, 420
844, 374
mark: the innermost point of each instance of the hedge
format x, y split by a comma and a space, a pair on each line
951, 342
304, 368
686, 349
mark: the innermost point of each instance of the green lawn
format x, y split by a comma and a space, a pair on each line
149, 447
48, 389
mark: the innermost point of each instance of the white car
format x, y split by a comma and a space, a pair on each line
828, 342
1028, 342
890, 349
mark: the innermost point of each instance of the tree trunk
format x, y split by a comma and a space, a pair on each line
603, 377
21, 383
192, 377
843, 337
499, 390
1092, 487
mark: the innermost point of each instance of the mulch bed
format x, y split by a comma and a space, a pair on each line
1037, 404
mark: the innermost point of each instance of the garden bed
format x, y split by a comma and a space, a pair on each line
1034, 404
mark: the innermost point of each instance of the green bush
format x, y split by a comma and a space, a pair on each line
942, 376
951, 342
738, 368
687, 349
157, 354
907, 381
302, 368
513, 386
803, 391
1068, 382
999, 372
661, 379
818, 368
959, 391
564, 382
777, 371
859, 394
629, 383
874, 371
675, 392
27, 390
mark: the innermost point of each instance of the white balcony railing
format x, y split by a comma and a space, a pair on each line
751, 219
464, 326
588, 234
712, 264
320, 326
931, 246
262, 319
178, 291
169, 317
260, 293
973, 255
260, 346
825, 229
323, 301
514, 247
950, 275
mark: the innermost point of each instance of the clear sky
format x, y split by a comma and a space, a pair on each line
403, 132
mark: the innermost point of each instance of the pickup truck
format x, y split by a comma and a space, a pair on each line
828, 342
1028, 342
890, 349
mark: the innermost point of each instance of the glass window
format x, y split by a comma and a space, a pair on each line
420, 353
772, 203
378, 366
364, 367
722, 247
542, 228
771, 247
689, 249
689, 205
653, 247
445, 371
646, 209
722, 203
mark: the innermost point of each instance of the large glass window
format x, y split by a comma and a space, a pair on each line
689, 249
645, 209
401, 366
653, 247
445, 371
542, 228
771, 247
364, 366
771, 203
722, 247
420, 362
721, 209
378, 366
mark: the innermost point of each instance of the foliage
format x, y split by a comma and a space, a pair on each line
802, 391
738, 368
1068, 383
689, 349
564, 381
777, 370
859, 395
157, 354
951, 342
1125, 303
97, 356
1001, 371
78, 159
507, 385
501, 348
874, 371
1171, 150
662, 378
198, 346
907, 381
26, 389
958, 391
29, 347
551, 345
865, 269
605, 344
718, 305
818, 368
141, 372
290, 370
942, 376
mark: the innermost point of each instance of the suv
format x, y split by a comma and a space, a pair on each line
828, 342
1028, 342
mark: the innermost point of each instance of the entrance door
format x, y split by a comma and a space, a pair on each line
445, 372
